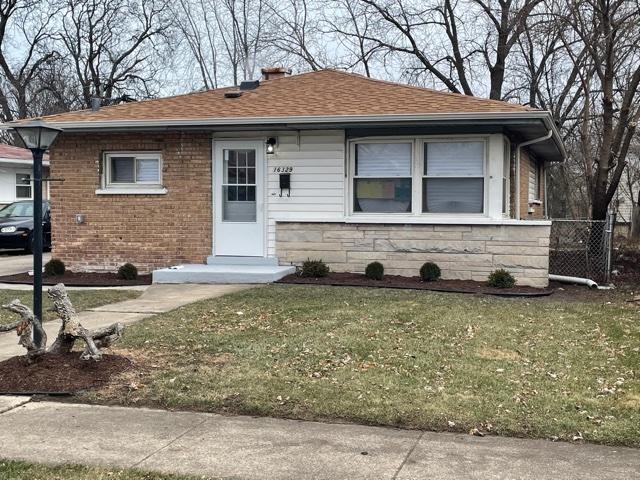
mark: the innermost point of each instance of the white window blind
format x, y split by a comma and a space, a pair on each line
453, 195
383, 160
128, 169
460, 159
147, 170
454, 177
122, 170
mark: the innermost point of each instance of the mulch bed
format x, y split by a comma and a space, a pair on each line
415, 283
72, 279
61, 373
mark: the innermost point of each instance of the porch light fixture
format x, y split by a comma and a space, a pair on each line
271, 145
37, 136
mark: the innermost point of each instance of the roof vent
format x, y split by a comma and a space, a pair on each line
232, 94
95, 103
249, 85
270, 73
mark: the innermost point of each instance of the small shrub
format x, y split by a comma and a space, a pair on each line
374, 271
430, 272
55, 266
314, 268
501, 279
128, 271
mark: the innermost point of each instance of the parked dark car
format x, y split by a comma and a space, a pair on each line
16, 225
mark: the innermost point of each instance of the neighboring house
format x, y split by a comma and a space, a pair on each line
326, 164
623, 207
16, 167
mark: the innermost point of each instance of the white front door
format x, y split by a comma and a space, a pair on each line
238, 198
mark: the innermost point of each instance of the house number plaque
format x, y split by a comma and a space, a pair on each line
286, 169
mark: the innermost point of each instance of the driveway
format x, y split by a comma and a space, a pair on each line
12, 262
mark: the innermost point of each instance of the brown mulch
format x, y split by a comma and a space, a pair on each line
73, 279
415, 283
59, 373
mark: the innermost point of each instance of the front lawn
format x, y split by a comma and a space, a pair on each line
82, 300
10, 470
548, 368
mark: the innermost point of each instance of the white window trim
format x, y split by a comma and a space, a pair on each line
136, 188
30, 185
417, 170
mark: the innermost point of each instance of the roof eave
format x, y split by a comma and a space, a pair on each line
293, 121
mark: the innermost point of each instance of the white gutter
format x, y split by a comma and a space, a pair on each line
26, 163
576, 280
316, 119
518, 148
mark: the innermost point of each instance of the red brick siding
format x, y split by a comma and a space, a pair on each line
147, 230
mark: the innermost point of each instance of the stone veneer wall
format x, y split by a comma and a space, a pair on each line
468, 252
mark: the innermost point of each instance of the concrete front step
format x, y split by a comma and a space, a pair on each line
199, 273
229, 260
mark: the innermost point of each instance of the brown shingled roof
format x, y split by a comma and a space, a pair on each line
10, 152
321, 93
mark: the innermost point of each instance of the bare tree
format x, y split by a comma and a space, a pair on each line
453, 40
295, 33
25, 51
196, 22
241, 25
113, 45
603, 46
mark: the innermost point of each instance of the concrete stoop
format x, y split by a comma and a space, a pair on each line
222, 273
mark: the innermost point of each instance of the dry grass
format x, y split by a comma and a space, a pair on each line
535, 368
10, 470
82, 300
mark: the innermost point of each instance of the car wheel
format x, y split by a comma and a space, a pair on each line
28, 247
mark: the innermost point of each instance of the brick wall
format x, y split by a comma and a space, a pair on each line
147, 230
468, 252
527, 166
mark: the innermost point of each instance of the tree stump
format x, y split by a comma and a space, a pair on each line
70, 330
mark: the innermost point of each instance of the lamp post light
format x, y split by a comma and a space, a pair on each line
37, 137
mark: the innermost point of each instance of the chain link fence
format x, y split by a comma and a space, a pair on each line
582, 248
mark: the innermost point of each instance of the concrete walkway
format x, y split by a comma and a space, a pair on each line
17, 262
155, 299
266, 448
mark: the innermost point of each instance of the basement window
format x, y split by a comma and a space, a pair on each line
132, 172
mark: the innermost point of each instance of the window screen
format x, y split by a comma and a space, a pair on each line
123, 170
453, 177
147, 170
132, 169
382, 182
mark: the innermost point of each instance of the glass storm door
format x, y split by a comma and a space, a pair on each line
239, 199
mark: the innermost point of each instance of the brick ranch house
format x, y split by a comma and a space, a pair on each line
325, 164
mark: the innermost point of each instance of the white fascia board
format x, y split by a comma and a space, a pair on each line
217, 121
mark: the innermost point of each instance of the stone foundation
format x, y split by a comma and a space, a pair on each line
466, 252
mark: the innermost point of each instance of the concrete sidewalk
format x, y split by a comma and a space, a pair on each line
155, 299
266, 448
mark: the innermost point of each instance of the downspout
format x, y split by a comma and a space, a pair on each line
518, 147
576, 280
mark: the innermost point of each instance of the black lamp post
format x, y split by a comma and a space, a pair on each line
37, 137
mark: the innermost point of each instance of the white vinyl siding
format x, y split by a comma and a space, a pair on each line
317, 180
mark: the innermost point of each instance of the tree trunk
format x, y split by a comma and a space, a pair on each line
70, 331
634, 234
